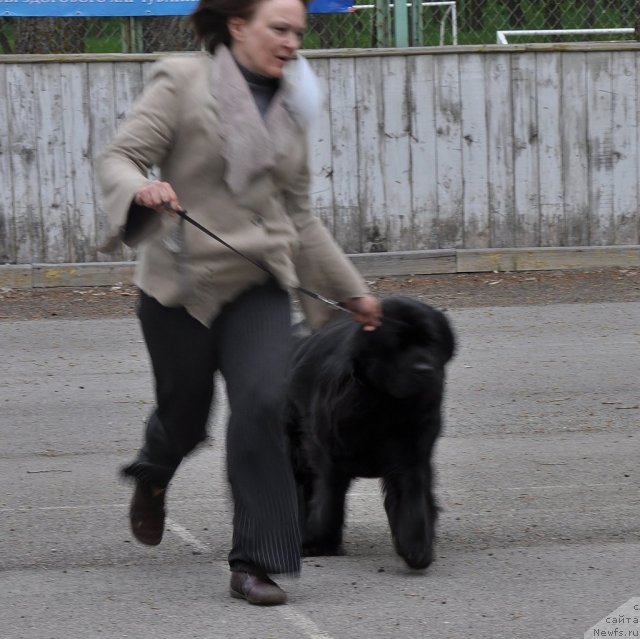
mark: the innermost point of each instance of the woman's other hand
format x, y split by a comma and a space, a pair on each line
366, 310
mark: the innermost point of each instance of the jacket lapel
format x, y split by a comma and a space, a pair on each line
249, 144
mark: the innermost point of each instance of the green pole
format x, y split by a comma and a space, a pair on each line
401, 23
137, 35
131, 30
383, 32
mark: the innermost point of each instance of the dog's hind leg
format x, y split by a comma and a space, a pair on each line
304, 488
325, 517
411, 512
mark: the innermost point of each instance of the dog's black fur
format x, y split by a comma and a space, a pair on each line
368, 404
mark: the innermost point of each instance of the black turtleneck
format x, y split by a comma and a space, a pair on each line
262, 88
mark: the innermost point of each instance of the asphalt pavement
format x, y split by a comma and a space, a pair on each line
537, 476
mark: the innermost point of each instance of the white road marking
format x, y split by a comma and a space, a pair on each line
303, 623
290, 614
185, 535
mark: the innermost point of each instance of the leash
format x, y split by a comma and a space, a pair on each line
316, 296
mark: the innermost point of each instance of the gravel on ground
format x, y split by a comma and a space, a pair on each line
447, 291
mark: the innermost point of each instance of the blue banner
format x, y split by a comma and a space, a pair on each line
91, 8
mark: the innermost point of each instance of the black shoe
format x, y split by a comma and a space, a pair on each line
257, 590
147, 513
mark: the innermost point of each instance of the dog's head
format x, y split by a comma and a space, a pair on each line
407, 354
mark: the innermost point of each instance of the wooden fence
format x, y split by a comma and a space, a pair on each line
448, 147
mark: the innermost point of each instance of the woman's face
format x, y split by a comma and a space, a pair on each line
270, 38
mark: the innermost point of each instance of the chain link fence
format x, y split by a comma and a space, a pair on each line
438, 23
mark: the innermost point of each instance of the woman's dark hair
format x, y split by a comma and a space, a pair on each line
210, 17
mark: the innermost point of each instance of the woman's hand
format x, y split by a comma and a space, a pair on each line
159, 196
366, 310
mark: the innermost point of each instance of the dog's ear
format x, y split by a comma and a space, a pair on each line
447, 336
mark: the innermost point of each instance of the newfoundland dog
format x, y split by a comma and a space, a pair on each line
368, 404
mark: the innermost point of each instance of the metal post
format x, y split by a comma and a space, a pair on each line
131, 33
383, 30
417, 25
137, 35
125, 34
401, 23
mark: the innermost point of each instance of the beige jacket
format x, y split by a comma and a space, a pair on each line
244, 178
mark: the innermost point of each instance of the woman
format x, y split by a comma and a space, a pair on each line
231, 148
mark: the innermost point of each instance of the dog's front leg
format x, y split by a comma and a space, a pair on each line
411, 512
323, 532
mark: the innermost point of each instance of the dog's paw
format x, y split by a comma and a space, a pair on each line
320, 549
418, 560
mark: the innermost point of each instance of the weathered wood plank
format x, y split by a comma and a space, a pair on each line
15, 276
22, 121
320, 154
422, 153
549, 127
448, 110
547, 258
575, 151
128, 84
395, 153
499, 134
98, 274
369, 98
405, 263
526, 180
601, 153
50, 157
102, 126
637, 121
624, 148
344, 177
473, 98
7, 219
147, 68
78, 165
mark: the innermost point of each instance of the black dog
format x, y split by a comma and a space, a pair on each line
368, 404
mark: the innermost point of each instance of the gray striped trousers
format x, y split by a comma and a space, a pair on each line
249, 343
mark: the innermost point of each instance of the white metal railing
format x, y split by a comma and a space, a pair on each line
451, 12
501, 36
